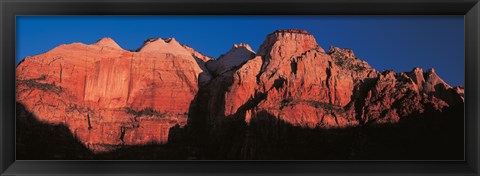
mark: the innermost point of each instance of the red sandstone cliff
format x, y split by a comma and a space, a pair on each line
295, 80
108, 96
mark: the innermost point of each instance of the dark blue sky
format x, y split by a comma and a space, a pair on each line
385, 42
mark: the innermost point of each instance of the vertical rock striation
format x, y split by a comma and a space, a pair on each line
108, 96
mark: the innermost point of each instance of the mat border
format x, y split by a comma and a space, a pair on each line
10, 9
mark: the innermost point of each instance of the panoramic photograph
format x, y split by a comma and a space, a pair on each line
240, 87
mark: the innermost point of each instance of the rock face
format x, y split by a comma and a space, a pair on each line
108, 96
296, 81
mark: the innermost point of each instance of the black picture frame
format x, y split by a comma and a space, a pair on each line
10, 8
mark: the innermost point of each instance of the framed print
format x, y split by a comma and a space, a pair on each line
256, 87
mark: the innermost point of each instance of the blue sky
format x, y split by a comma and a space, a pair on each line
385, 42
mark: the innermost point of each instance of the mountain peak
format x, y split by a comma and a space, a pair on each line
295, 31
432, 80
431, 70
281, 45
164, 45
242, 45
152, 44
287, 43
417, 70
239, 54
107, 42
242, 49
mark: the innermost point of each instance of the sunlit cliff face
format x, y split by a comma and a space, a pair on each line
108, 96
